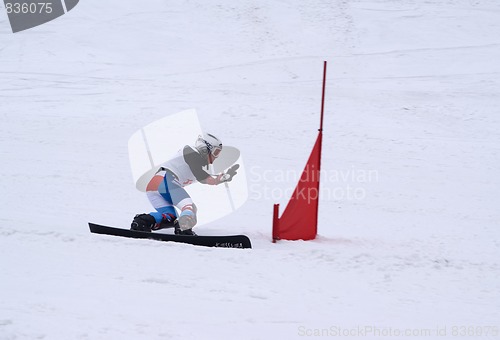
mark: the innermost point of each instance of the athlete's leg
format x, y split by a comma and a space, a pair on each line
173, 192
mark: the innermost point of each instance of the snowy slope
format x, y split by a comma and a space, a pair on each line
411, 127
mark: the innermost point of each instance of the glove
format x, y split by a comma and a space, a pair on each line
229, 174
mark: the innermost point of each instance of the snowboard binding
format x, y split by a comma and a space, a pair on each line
147, 223
143, 222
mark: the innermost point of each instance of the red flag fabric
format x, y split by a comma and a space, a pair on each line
300, 218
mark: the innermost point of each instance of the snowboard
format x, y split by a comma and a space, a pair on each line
231, 241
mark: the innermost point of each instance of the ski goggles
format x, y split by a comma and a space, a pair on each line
216, 151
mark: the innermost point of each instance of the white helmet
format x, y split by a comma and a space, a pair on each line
207, 144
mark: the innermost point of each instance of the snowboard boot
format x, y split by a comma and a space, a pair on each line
167, 221
185, 225
143, 222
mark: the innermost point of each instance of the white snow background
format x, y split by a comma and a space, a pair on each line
413, 96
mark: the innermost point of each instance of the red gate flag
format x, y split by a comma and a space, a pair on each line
300, 218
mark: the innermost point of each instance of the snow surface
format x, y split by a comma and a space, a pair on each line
413, 96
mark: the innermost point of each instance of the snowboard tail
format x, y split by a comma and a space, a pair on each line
231, 241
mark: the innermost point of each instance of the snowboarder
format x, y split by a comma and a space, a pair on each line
166, 190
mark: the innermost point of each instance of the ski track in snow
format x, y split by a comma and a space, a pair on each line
412, 94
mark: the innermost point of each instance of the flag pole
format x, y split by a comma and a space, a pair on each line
276, 222
323, 98
320, 137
